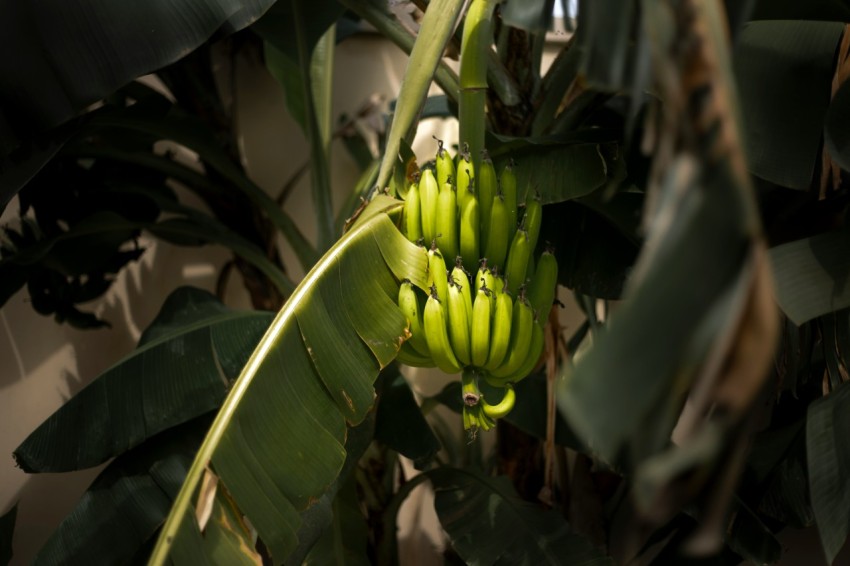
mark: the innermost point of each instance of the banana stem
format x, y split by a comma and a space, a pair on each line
477, 37
469, 387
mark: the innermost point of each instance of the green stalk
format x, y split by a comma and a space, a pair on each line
477, 37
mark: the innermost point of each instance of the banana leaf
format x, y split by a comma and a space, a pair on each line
277, 444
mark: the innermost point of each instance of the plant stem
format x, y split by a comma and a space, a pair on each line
477, 37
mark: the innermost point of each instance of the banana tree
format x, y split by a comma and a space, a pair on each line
699, 421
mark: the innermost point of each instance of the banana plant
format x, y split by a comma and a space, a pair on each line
253, 454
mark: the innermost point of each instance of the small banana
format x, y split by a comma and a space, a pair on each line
409, 303
437, 272
465, 186
517, 261
444, 164
461, 277
501, 409
500, 331
469, 230
533, 218
507, 183
480, 277
446, 226
535, 349
412, 215
496, 243
481, 317
541, 290
437, 334
429, 194
458, 324
484, 421
487, 187
522, 323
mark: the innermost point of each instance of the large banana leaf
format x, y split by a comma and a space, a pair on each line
182, 369
277, 443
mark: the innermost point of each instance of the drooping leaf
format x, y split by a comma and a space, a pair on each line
69, 54
437, 26
605, 41
277, 443
401, 425
785, 68
812, 275
530, 15
181, 370
127, 502
828, 455
344, 542
488, 523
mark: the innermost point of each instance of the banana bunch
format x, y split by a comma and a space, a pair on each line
489, 326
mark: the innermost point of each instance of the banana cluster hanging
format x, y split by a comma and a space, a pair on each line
490, 327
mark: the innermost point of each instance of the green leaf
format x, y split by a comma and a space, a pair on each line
812, 275
7, 529
828, 455
488, 523
782, 69
835, 132
277, 443
401, 425
344, 542
69, 54
127, 502
181, 370
437, 26
605, 42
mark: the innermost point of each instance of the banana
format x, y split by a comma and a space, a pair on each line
522, 323
533, 218
409, 304
487, 188
481, 276
507, 182
484, 421
481, 316
532, 265
445, 165
412, 216
429, 194
408, 356
469, 229
437, 272
517, 261
437, 335
465, 186
541, 290
502, 408
460, 277
446, 224
458, 326
535, 349
500, 331
496, 242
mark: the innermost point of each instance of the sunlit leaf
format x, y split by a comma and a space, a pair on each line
277, 443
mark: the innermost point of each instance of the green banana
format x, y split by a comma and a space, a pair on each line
481, 276
459, 323
429, 194
522, 323
535, 349
496, 243
487, 188
437, 334
408, 302
446, 226
469, 230
460, 277
484, 421
412, 215
501, 409
541, 290
408, 356
437, 272
500, 331
507, 183
533, 218
481, 317
444, 164
517, 261
465, 185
